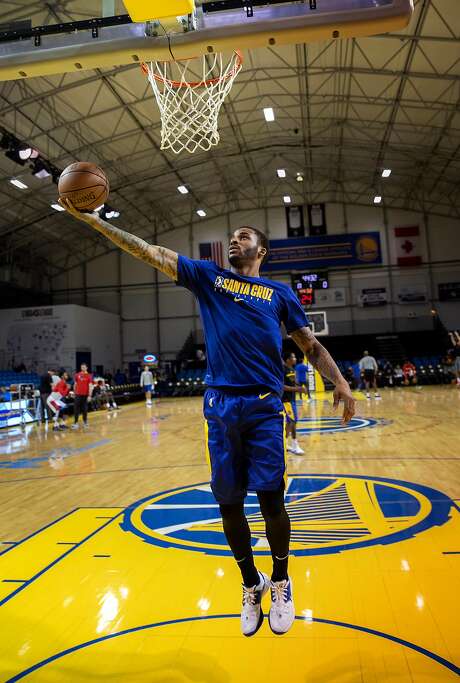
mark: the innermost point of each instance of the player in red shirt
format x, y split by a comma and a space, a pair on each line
410, 373
83, 389
56, 402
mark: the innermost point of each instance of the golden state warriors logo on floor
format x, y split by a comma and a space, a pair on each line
331, 425
329, 514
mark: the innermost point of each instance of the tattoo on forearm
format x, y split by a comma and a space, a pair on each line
159, 257
318, 356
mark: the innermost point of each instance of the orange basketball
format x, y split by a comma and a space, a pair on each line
85, 184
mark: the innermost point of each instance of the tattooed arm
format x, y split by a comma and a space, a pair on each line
159, 257
323, 362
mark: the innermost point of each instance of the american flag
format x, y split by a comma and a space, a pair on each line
212, 251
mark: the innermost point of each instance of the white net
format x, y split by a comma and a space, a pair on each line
189, 94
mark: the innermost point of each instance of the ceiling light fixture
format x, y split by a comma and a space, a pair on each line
386, 173
182, 189
377, 199
281, 172
57, 207
286, 199
269, 114
18, 183
201, 213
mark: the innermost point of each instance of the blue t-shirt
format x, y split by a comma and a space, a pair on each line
241, 320
301, 371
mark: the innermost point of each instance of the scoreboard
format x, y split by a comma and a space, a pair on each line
304, 286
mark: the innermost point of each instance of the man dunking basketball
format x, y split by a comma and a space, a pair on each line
241, 314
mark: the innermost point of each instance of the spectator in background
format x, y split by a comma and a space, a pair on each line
398, 375
46, 383
350, 377
455, 339
388, 374
200, 359
83, 389
120, 377
368, 368
301, 374
146, 383
410, 373
107, 395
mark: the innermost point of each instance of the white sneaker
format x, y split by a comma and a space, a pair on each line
368, 395
282, 613
251, 613
74, 426
85, 425
377, 396
296, 449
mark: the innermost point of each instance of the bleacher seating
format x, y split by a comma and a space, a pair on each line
8, 378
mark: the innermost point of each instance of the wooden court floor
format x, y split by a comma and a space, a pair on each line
114, 567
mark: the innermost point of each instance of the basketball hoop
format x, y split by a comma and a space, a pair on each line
189, 95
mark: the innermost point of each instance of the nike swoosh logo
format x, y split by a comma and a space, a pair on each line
238, 299
262, 396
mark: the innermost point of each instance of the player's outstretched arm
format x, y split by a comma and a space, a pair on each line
159, 257
322, 360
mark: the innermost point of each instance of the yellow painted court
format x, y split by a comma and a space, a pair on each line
115, 568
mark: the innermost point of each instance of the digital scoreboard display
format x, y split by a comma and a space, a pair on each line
304, 285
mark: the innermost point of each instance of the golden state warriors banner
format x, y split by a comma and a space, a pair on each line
357, 249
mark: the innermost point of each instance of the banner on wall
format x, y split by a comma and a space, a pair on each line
407, 241
375, 296
357, 249
317, 219
334, 296
294, 221
413, 294
449, 291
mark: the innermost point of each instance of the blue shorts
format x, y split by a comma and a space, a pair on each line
147, 387
244, 443
290, 409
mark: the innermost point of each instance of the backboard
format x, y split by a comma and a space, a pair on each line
318, 323
213, 26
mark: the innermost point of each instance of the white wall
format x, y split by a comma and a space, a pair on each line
50, 336
136, 301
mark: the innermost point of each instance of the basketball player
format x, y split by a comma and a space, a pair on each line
83, 388
56, 402
455, 339
289, 401
241, 314
146, 383
301, 374
368, 368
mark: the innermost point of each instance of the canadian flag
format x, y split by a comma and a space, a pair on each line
408, 246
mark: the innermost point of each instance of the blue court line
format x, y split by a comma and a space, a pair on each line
102, 555
400, 641
34, 533
66, 542
14, 580
90, 474
58, 559
451, 552
8, 542
169, 467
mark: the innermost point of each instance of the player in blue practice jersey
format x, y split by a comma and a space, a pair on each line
242, 313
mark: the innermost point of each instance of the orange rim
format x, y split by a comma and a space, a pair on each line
195, 84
